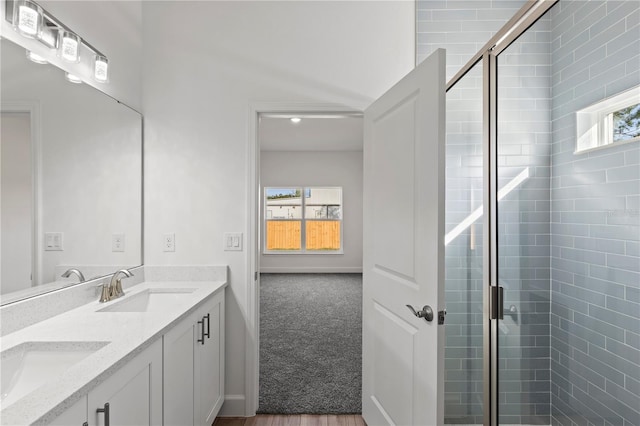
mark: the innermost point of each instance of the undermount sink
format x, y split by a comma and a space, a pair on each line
151, 300
30, 365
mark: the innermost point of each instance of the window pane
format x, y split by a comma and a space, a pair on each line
323, 203
335, 212
283, 203
283, 234
626, 123
322, 234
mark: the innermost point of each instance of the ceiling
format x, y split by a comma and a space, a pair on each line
314, 132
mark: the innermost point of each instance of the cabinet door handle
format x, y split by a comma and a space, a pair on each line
201, 339
105, 410
208, 334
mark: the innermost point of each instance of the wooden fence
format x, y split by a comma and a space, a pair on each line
283, 235
320, 235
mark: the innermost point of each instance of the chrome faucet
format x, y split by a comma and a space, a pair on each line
68, 273
114, 290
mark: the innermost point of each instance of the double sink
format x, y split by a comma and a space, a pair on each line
30, 365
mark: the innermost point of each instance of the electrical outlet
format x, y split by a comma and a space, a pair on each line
53, 241
169, 242
232, 241
117, 242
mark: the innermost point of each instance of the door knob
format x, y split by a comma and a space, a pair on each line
426, 312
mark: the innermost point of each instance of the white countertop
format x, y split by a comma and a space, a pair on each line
128, 333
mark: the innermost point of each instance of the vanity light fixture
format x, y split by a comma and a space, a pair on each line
72, 78
27, 18
34, 57
69, 46
49, 35
32, 21
101, 69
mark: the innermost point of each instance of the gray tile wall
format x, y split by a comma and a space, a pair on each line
595, 263
460, 26
592, 230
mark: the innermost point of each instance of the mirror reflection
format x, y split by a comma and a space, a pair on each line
71, 180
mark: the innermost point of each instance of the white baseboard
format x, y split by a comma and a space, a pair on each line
233, 406
311, 270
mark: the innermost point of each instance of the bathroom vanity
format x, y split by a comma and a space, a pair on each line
154, 356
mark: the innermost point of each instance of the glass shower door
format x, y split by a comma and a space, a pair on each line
568, 222
523, 226
463, 252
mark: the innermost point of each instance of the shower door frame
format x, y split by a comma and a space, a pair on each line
529, 14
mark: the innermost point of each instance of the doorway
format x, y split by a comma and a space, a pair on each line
309, 257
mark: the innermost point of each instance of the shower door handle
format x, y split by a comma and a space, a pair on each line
496, 302
426, 312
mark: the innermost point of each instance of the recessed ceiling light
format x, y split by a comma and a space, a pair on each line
295, 120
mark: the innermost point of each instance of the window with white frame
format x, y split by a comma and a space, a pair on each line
303, 220
614, 120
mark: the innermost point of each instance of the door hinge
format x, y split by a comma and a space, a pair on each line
255, 276
496, 302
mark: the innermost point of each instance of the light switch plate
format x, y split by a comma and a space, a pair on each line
53, 241
117, 242
232, 241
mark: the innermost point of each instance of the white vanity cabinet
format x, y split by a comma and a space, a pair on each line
134, 392
209, 364
194, 366
156, 357
133, 395
75, 415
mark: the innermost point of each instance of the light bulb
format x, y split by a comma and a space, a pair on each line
72, 78
295, 120
27, 18
101, 69
69, 46
34, 57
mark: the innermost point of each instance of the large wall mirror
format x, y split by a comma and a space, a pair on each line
71, 180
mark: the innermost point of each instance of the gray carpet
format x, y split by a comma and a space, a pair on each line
310, 343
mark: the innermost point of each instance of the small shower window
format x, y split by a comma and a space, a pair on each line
625, 123
613, 121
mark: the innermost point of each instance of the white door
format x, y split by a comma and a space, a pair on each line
403, 355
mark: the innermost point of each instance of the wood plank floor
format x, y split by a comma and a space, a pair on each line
292, 420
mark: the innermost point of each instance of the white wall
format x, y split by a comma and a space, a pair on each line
302, 169
16, 201
199, 84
